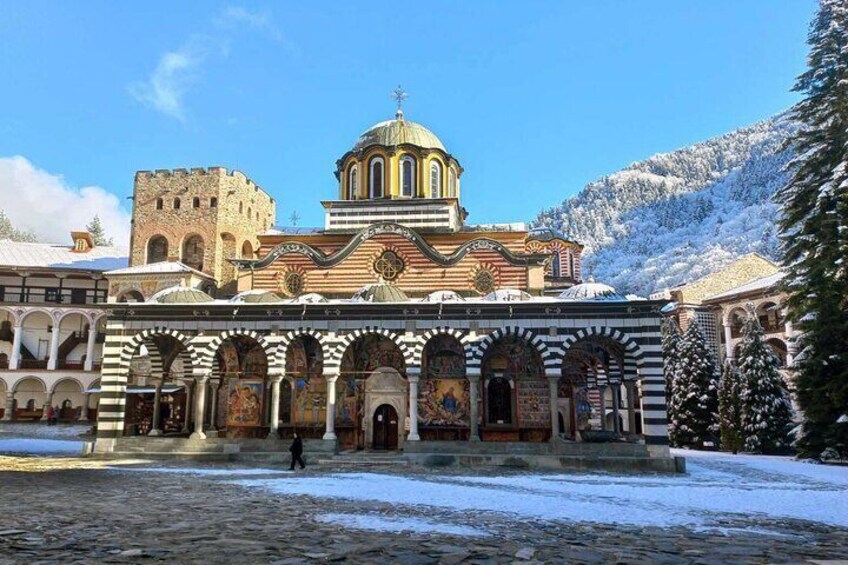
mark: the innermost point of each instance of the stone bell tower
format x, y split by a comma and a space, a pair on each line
200, 217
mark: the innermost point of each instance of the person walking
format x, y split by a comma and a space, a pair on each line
49, 417
296, 452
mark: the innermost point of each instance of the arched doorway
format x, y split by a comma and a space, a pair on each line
69, 397
157, 249
30, 396
192, 253
516, 397
371, 374
385, 424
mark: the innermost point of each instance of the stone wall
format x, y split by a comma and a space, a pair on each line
230, 208
744, 270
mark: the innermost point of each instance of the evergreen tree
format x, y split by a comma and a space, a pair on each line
766, 411
670, 340
8, 231
98, 234
814, 232
694, 402
730, 409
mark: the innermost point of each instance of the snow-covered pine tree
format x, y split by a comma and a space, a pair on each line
814, 232
670, 340
730, 408
694, 401
8, 231
766, 410
98, 234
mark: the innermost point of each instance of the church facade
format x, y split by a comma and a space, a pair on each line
398, 325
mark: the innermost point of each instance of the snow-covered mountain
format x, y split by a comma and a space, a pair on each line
678, 216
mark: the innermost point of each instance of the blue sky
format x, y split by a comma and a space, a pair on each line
534, 98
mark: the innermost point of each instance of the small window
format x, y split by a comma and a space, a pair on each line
241, 207
176, 203
451, 184
435, 180
352, 183
407, 174
159, 204
52, 295
257, 216
376, 180
556, 265
213, 202
484, 281
248, 212
389, 265
78, 296
195, 202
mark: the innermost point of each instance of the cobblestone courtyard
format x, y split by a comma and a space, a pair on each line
70, 510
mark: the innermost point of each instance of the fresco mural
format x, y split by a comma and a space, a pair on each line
304, 364
244, 402
575, 386
370, 352
444, 402
515, 360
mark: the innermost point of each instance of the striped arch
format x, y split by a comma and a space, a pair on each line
145, 337
632, 351
421, 342
474, 355
283, 346
335, 358
207, 361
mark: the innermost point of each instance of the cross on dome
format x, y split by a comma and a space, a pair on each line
399, 95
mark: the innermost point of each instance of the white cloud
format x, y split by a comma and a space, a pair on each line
37, 200
178, 70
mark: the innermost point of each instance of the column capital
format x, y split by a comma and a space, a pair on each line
276, 379
413, 378
473, 377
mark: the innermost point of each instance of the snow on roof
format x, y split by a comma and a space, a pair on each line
507, 295
442, 296
591, 291
163, 267
755, 285
506, 227
51, 255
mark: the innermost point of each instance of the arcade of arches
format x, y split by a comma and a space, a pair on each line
374, 399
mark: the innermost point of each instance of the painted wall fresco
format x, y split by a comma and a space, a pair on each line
517, 360
304, 363
370, 352
444, 402
244, 402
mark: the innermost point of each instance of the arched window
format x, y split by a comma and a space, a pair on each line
407, 176
193, 252
241, 207
352, 183
376, 177
176, 203
248, 212
195, 202
556, 267
451, 183
213, 202
159, 204
435, 180
246, 250
157, 249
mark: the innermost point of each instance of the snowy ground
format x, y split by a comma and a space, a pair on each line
717, 487
40, 430
37, 446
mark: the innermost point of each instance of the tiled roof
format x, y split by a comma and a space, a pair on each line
753, 286
49, 255
163, 267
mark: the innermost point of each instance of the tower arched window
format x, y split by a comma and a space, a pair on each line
451, 183
435, 180
157, 249
352, 183
376, 178
195, 202
407, 176
193, 252
176, 203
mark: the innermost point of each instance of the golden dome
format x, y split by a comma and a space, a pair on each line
392, 133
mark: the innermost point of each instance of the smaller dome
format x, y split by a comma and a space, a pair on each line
591, 291
380, 292
255, 296
180, 295
309, 298
507, 295
443, 296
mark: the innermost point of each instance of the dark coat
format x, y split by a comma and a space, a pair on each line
297, 446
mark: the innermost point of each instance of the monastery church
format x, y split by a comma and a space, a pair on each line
396, 326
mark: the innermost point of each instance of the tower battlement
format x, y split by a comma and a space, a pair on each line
201, 216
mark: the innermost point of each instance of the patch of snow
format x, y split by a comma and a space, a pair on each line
31, 446
378, 523
208, 472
